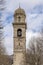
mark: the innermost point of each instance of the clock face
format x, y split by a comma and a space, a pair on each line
19, 32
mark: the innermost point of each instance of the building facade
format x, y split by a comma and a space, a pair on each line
19, 26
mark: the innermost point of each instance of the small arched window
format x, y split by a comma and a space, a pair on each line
19, 18
19, 32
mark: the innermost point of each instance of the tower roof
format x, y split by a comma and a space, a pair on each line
19, 11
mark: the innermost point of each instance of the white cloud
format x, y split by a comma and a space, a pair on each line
9, 45
26, 4
29, 35
8, 30
34, 21
8, 33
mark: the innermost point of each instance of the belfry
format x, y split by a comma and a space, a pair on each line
19, 27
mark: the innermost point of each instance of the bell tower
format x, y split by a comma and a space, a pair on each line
19, 26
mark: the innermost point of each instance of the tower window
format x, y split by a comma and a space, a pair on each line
19, 18
19, 32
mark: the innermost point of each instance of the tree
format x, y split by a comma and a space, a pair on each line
2, 9
2, 49
35, 51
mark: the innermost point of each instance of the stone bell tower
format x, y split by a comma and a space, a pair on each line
19, 26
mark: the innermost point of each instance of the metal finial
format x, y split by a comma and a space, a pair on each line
19, 5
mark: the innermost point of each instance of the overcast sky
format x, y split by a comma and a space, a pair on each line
34, 19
